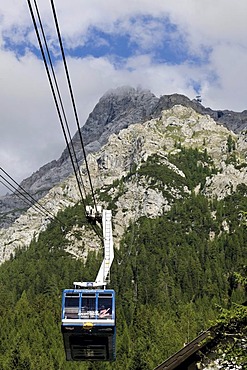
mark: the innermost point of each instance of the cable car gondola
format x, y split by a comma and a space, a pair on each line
88, 324
88, 311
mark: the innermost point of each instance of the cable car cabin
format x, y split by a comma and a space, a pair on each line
88, 324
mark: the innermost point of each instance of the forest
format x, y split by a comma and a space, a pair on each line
174, 276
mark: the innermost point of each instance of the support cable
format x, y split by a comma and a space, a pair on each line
58, 94
59, 113
24, 194
26, 200
55, 98
72, 98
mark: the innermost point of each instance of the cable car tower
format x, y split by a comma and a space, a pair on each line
88, 310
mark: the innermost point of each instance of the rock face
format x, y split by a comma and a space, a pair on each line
137, 196
234, 121
116, 110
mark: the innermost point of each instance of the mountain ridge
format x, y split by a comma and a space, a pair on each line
123, 181
116, 110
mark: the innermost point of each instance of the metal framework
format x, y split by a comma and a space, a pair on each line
103, 277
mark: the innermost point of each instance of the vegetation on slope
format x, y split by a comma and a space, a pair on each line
173, 275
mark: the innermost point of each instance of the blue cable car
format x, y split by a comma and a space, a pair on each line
88, 310
88, 324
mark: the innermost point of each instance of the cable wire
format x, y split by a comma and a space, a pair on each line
54, 97
60, 100
59, 95
26, 200
72, 98
32, 201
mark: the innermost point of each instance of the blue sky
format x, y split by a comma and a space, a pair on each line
189, 47
158, 37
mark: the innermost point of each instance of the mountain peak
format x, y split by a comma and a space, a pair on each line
125, 90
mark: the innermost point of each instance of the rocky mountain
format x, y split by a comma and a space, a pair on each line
116, 110
121, 172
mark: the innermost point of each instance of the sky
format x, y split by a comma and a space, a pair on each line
191, 47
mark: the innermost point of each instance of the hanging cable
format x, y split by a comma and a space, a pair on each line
59, 95
28, 198
72, 99
55, 98
57, 106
